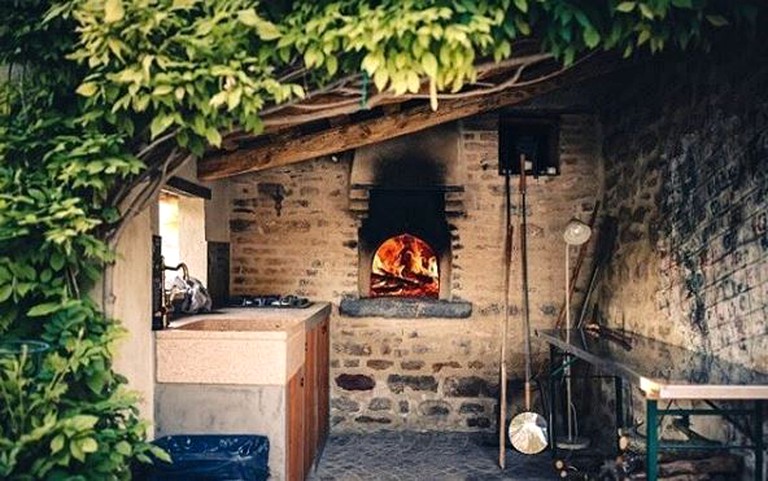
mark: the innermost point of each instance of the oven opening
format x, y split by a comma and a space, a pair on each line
405, 266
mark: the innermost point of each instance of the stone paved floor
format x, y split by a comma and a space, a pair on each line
413, 456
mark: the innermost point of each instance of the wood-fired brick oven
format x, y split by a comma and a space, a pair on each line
405, 190
405, 246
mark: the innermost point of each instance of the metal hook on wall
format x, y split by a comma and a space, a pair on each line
276, 192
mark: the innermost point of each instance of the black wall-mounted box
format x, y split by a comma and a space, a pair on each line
538, 138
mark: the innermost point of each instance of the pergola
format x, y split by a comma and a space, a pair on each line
350, 113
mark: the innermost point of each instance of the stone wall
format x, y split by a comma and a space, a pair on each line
687, 176
686, 152
416, 373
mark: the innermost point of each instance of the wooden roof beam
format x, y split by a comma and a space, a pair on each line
348, 136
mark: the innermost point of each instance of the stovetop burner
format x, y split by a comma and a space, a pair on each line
289, 301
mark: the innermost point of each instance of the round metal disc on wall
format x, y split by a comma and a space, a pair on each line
528, 433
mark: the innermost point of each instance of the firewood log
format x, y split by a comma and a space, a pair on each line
678, 477
723, 466
632, 442
390, 278
720, 464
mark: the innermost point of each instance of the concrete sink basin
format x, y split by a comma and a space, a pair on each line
230, 324
235, 346
242, 370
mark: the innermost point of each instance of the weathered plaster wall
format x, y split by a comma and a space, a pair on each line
192, 242
135, 358
416, 373
226, 409
217, 212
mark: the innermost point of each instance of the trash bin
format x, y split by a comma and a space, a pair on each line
32, 353
207, 457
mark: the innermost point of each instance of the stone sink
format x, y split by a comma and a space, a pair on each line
252, 346
230, 324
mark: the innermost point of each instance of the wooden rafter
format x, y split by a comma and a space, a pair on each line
293, 146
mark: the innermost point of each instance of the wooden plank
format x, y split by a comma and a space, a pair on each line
218, 273
186, 187
722, 464
353, 135
310, 401
324, 382
709, 391
294, 460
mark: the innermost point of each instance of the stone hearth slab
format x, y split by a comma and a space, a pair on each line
404, 308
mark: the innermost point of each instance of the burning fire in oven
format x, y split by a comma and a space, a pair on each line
405, 266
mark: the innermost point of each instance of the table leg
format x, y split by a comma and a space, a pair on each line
652, 439
619, 409
552, 386
758, 440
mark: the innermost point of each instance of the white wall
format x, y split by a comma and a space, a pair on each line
135, 357
133, 306
193, 250
217, 212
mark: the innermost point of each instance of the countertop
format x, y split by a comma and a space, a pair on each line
246, 322
246, 346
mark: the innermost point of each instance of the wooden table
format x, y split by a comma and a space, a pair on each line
666, 372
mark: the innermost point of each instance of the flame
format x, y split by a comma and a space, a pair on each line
405, 266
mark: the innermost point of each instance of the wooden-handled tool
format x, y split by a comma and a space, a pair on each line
527, 430
505, 325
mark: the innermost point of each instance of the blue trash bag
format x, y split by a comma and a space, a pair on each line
207, 457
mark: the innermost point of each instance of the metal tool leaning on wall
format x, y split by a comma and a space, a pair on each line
528, 430
505, 321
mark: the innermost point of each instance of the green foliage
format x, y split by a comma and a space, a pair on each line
100, 92
49, 430
398, 43
66, 415
191, 67
627, 26
196, 68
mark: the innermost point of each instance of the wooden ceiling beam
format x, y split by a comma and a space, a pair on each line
291, 149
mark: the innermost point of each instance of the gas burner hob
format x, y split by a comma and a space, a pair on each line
289, 301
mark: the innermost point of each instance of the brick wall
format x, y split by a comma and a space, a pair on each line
416, 373
308, 248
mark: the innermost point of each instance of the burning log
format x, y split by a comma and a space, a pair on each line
391, 285
411, 279
383, 280
405, 265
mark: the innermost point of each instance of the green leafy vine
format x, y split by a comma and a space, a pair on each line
101, 100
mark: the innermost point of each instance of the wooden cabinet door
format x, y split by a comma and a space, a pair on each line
323, 381
294, 429
309, 404
310, 398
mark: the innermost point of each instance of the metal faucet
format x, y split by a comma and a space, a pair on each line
167, 306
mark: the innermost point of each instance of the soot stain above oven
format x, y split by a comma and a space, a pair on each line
409, 173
